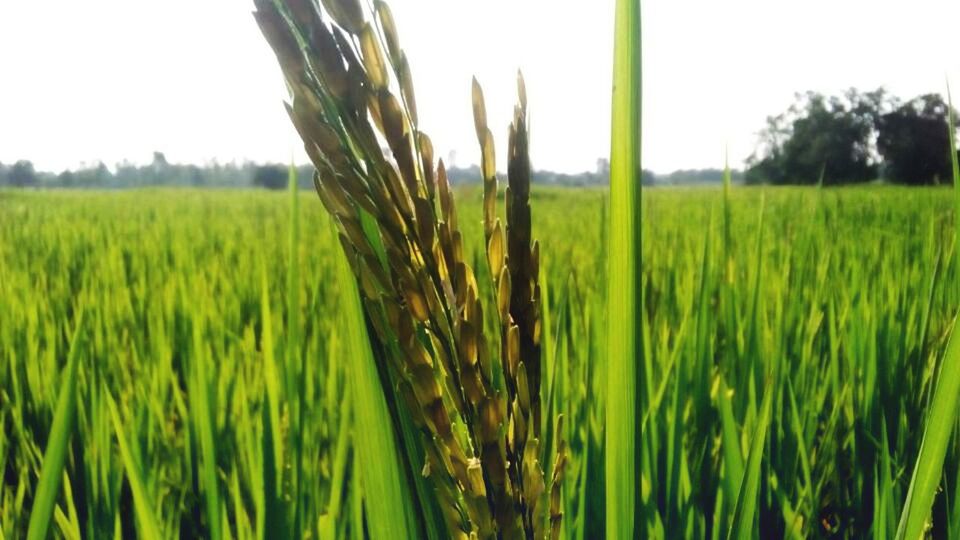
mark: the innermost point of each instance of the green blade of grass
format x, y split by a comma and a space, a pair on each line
294, 360
388, 503
732, 454
273, 522
64, 418
742, 526
942, 413
954, 159
293, 279
727, 219
142, 503
941, 418
332, 518
203, 413
68, 523
622, 468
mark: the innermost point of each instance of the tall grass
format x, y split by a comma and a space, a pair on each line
147, 525
465, 395
388, 511
61, 431
889, 304
624, 374
234, 378
941, 416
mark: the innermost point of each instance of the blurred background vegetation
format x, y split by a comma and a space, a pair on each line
853, 138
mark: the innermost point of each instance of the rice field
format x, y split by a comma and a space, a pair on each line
217, 391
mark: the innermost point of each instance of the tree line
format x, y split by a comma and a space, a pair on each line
853, 138
160, 172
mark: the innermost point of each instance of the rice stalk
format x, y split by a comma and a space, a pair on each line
377, 456
474, 400
203, 419
623, 406
295, 367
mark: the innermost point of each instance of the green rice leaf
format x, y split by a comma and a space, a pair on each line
64, 418
203, 416
622, 467
296, 385
273, 522
942, 413
743, 517
732, 454
388, 502
147, 525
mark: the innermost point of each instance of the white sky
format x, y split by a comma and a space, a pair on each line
117, 79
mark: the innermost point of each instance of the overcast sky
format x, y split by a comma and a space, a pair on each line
117, 79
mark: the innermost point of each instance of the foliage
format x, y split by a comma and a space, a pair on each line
941, 416
697, 176
851, 292
854, 138
472, 392
819, 134
126, 175
623, 474
913, 140
22, 174
270, 176
159, 172
803, 384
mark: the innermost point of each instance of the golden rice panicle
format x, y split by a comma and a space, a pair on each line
488, 160
523, 253
513, 259
351, 88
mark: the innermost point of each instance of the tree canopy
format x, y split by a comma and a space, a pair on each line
270, 176
914, 141
853, 138
22, 174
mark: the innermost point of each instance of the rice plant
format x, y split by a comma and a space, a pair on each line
473, 396
625, 375
399, 358
941, 417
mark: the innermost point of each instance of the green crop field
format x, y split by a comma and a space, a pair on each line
213, 366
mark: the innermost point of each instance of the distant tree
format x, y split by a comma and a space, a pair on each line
66, 179
700, 176
158, 173
160, 160
762, 171
22, 174
467, 175
832, 135
270, 176
195, 176
647, 177
98, 176
915, 143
